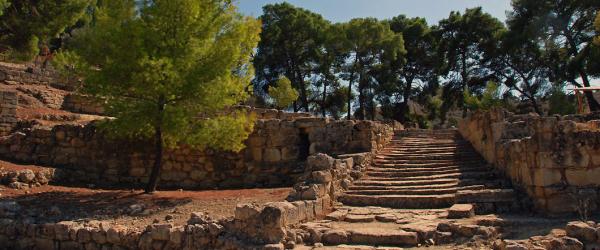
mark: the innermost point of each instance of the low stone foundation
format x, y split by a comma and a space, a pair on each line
556, 160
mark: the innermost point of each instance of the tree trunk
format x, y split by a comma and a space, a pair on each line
406, 97
592, 103
324, 99
153, 182
361, 99
350, 99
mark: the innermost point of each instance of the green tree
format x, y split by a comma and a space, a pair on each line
291, 40
565, 27
331, 58
371, 44
559, 102
418, 65
519, 61
466, 41
283, 94
3, 5
490, 98
169, 69
27, 25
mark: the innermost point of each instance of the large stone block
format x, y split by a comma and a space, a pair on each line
547, 177
583, 177
272, 155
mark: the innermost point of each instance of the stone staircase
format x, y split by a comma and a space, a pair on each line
428, 169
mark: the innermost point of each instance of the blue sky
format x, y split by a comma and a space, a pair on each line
344, 10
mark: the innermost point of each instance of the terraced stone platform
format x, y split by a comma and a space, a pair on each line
425, 169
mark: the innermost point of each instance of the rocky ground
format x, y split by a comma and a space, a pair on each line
49, 203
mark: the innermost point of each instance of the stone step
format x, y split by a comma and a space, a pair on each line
409, 172
381, 163
415, 187
427, 151
430, 191
429, 157
404, 183
430, 154
485, 196
400, 201
465, 175
456, 186
379, 237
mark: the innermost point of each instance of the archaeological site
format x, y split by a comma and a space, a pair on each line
261, 125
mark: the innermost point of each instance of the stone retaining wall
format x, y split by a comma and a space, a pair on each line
33, 75
8, 111
555, 159
273, 157
267, 226
82, 104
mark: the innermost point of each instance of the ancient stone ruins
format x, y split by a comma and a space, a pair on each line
498, 181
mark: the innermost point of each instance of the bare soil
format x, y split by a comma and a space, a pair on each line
128, 207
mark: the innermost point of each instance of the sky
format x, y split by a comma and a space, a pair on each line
344, 10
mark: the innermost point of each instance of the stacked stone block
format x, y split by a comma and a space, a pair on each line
556, 160
8, 111
273, 156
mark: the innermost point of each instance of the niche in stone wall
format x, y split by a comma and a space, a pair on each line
303, 145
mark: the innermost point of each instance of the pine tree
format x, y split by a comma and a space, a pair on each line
27, 25
169, 70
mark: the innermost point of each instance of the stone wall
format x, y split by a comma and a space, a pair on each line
273, 157
82, 104
8, 111
267, 226
29, 74
556, 160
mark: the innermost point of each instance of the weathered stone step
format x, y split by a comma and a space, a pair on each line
430, 154
429, 157
421, 164
400, 201
404, 183
485, 196
426, 191
427, 151
378, 237
416, 187
466, 175
408, 172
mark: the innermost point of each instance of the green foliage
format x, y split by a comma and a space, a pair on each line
69, 64
283, 94
597, 25
566, 30
28, 24
3, 5
372, 45
291, 40
560, 103
490, 98
146, 65
466, 43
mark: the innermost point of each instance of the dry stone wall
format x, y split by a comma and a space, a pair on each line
556, 160
82, 104
33, 75
8, 111
267, 226
273, 157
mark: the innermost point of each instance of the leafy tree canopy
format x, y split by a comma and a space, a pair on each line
466, 41
169, 69
291, 40
283, 94
27, 24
